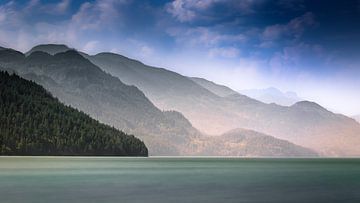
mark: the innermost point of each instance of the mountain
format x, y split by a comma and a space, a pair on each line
241, 142
35, 123
171, 91
303, 123
272, 95
217, 89
357, 118
269, 95
51, 49
79, 83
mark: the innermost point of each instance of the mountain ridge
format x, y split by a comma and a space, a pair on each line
81, 84
220, 90
35, 123
272, 95
248, 142
357, 118
74, 82
314, 128
51, 49
238, 111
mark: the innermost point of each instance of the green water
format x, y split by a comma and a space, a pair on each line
107, 179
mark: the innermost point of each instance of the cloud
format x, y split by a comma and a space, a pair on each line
294, 5
9, 16
299, 57
204, 36
191, 10
225, 52
16, 30
97, 14
31, 5
295, 28
179, 10
90, 46
142, 49
53, 8
62, 6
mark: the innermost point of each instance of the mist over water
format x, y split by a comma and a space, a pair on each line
110, 179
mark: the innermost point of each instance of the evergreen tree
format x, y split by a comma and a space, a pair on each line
32, 122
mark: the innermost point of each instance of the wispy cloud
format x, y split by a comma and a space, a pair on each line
97, 15
204, 36
295, 28
226, 52
20, 34
300, 57
190, 10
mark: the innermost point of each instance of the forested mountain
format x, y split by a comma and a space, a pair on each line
32, 122
313, 127
79, 83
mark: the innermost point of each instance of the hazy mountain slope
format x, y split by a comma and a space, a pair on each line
217, 89
35, 123
171, 91
272, 95
357, 118
241, 142
81, 84
51, 49
303, 123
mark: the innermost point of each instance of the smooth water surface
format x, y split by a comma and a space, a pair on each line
112, 179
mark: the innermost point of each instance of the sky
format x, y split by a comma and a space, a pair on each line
309, 47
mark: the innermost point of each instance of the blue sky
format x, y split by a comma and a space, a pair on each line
310, 47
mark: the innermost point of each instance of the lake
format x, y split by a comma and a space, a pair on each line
169, 179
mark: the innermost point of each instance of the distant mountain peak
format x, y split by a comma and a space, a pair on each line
51, 49
70, 54
220, 90
39, 54
113, 56
308, 104
7, 55
272, 95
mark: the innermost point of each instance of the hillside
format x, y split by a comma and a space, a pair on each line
357, 118
316, 128
170, 91
217, 89
79, 83
51, 49
241, 142
32, 122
